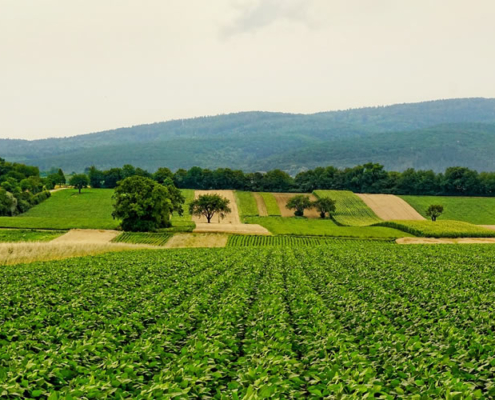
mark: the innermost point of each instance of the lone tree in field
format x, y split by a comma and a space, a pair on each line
434, 211
79, 181
144, 205
299, 203
208, 205
325, 205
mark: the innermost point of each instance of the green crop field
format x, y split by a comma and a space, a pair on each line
440, 229
292, 241
246, 204
351, 210
305, 227
66, 209
184, 223
22, 235
271, 203
476, 210
354, 320
153, 239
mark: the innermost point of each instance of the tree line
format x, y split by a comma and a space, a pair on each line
366, 178
21, 187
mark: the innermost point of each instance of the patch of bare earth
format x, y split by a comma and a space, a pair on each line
190, 240
231, 223
262, 210
389, 207
283, 198
410, 240
87, 236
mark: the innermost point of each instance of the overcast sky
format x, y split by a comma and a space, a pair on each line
80, 66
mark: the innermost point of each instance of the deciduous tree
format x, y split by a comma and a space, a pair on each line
208, 205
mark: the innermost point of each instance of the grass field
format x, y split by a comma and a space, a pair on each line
354, 320
291, 241
476, 210
152, 239
271, 203
66, 209
316, 227
246, 204
21, 235
184, 223
351, 210
440, 229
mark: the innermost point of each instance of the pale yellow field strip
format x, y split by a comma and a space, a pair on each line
231, 218
240, 229
283, 198
87, 236
389, 207
262, 211
192, 240
492, 227
411, 240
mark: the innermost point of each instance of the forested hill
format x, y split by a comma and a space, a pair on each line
429, 135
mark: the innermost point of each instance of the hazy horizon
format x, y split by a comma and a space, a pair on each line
77, 68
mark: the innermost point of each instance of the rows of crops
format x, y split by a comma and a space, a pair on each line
357, 320
153, 239
271, 204
291, 241
350, 209
440, 229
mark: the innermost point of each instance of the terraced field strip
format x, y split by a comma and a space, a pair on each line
283, 198
390, 207
440, 229
350, 209
192, 240
270, 204
246, 204
231, 218
152, 239
260, 202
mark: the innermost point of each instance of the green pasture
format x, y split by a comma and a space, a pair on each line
439, 229
271, 203
22, 235
246, 204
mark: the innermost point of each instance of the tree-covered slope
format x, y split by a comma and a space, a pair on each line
262, 140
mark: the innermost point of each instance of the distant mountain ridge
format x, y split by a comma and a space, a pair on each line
428, 135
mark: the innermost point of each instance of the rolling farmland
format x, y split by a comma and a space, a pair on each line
270, 203
21, 235
246, 204
292, 241
350, 209
152, 239
440, 229
316, 322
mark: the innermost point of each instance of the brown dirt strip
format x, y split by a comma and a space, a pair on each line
389, 207
410, 240
231, 218
492, 227
262, 211
188, 240
283, 198
87, 236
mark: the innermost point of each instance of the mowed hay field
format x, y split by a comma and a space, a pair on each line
389, 207
66, 209
355, 320
283, 198
350, 209
476, 210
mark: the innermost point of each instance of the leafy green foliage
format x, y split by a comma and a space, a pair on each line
246, 204
270, 203
291, 241
79, 181
208, 205
299, 203
21, 235
350, 209
66, 209
318, 227
476, 210
153, 239
440, 229
145, 205
351, 320
434, 211
325, 205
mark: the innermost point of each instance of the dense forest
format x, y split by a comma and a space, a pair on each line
367, 178
429, 135
22, 188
